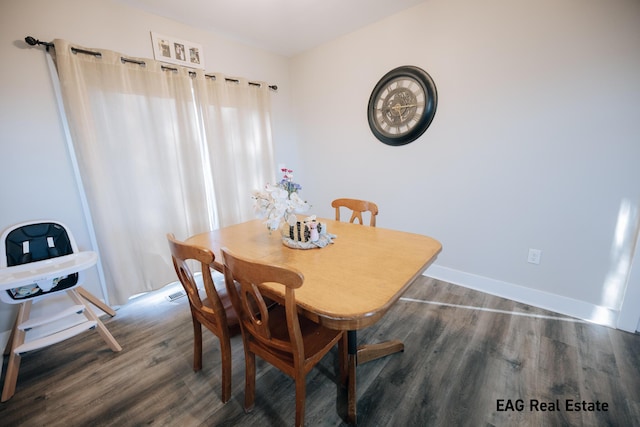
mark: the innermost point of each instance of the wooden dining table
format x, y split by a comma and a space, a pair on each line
348, 285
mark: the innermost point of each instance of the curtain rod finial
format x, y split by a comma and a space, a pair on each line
31, 41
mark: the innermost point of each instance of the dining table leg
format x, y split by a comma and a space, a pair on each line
352, 362
358, 355
368, 352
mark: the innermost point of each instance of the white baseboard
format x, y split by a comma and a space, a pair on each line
545, 300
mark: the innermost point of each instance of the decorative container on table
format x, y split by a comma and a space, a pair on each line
307, 234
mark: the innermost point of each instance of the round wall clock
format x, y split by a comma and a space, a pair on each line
402, 105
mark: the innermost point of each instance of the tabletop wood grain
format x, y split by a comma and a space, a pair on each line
349, 284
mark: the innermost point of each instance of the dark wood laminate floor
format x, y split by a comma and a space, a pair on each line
463, 360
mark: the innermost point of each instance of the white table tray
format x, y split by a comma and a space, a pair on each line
48, 269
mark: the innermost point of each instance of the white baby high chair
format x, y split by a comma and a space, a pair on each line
38, 260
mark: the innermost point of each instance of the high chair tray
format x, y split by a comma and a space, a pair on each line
48, 269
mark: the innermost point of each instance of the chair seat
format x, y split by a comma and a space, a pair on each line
232, 317
315, 337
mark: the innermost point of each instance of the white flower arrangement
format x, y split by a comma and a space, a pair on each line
280, 202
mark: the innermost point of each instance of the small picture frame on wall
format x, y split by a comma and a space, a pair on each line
176, 51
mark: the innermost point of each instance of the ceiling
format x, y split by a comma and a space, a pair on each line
285, 27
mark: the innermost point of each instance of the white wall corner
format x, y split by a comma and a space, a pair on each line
629, 319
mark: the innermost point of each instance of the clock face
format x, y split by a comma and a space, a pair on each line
402, 105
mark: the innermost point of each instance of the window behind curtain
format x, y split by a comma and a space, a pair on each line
160, 151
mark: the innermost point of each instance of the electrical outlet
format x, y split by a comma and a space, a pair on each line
534, 256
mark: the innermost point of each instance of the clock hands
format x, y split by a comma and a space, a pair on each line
399, 107
399, 113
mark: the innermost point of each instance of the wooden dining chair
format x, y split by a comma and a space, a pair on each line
291, 343
215, 311
357, 207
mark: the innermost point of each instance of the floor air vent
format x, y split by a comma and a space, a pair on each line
176, 295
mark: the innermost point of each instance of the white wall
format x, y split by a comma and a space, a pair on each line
36, 178
535, 142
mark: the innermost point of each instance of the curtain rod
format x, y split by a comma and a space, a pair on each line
31, 41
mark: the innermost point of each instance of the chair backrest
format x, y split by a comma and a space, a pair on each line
358, 207
244, 279
32, 241
181, 253
35, 241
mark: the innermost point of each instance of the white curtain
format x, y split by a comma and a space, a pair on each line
237, 125
147, 169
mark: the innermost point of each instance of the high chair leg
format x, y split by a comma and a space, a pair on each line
102, 330
17, 339
95, 301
